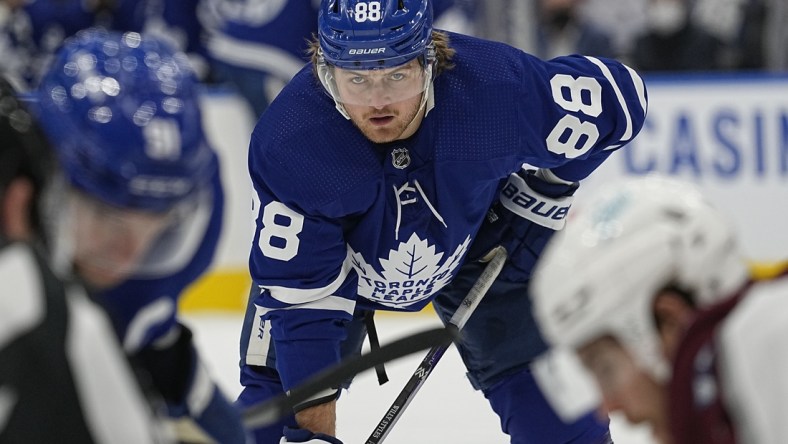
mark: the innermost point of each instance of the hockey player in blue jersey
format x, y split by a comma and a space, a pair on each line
258, 47
122, 112
385, 173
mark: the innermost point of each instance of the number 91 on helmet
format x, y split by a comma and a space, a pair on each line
375, 53
122, 113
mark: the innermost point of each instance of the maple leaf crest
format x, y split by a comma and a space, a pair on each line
411, 273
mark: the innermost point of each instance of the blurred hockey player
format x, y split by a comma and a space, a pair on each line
650, 287
147, 202
63, 375
31, 31
387, 170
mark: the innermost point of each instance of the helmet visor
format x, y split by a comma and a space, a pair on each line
111, 244
376, 87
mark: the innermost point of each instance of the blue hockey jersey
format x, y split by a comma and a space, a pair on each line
344, 224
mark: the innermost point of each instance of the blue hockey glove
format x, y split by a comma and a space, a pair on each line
307, 437
532, 195
531, 208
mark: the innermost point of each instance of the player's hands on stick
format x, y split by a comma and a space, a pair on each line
271, 410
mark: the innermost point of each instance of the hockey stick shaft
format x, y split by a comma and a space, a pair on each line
458, 320
272, 410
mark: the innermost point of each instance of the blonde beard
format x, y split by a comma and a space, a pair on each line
403, 129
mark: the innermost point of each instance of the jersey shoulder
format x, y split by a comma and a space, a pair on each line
551, 112
305, 151
478, 101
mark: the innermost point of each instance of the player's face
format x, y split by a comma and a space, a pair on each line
110, 242
388, 123
625, 387
383, 103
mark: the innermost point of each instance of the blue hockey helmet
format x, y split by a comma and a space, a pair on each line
364, 34
373, 53
122, 112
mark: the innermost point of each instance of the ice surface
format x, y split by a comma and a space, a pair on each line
446, 409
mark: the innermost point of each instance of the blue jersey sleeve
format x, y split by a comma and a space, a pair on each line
300, 264
578, 110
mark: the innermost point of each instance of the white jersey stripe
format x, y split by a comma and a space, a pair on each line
335, 303
201, 392
8, 399
297, 296
155, 313
22, 313
609, 76
260, 337
100, 375
639, 87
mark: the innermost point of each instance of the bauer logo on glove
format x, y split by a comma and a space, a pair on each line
520, 199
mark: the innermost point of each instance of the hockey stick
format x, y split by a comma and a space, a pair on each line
458, 320
270, 411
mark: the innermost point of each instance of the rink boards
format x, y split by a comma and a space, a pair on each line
726, 133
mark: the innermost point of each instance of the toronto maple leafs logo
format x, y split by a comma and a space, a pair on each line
411, 273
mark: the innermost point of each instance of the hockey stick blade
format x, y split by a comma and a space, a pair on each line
458, 320
270, 411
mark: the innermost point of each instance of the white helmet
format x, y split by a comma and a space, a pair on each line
599, 276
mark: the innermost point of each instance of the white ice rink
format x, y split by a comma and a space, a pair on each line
446, 410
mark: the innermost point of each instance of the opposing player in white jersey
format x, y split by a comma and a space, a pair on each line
650, 286
387, 170
63, 375
123, 114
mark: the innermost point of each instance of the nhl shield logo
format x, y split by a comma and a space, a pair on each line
400, 158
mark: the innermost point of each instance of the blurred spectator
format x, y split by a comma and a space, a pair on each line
776, 34
13, 24
257, 47
177, 22
700, 35
510, 21
38, 28
561, 30
32, 31
622, 21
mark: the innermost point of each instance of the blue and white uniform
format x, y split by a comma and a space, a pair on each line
144, 313
345, 225
135, 148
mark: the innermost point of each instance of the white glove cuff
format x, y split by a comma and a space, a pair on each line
521, 200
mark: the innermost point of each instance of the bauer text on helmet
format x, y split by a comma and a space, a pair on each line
375, 52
